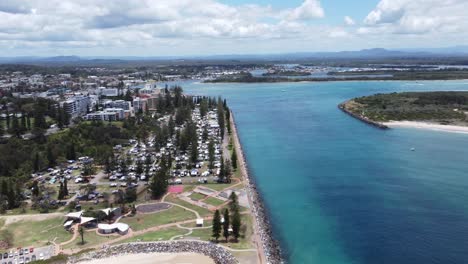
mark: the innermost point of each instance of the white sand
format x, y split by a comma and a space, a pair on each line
430, 126
159, 258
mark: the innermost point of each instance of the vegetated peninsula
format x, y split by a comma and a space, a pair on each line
437, 110
420, 74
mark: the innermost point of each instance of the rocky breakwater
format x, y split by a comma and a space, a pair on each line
270, 246
343, 107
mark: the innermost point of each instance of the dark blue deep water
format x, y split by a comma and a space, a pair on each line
340, 191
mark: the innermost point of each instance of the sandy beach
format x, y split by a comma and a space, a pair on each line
429, 126
152, 258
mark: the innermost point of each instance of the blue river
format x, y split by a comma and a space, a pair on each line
339, 191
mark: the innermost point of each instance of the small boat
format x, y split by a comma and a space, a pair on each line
413, 149
283, 90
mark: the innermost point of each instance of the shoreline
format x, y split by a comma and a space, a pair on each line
218, 254
366, 120
269, 249
428, 126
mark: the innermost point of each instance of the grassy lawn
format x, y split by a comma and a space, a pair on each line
214, 201
90, 238
174, 214
160, 235
218, 186
205, 224
37, 233
202, 211
244, 240
197, 196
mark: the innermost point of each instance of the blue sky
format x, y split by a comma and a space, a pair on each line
209, 27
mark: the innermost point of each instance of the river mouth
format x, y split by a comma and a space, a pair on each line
340, 191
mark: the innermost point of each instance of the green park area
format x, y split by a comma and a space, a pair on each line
172, 215
24, 233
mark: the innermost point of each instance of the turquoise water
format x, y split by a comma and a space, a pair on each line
339, 191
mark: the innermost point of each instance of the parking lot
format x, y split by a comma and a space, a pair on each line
17, 257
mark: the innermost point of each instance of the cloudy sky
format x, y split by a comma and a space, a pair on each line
207, 27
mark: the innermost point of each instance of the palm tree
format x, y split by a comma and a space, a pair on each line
81, 231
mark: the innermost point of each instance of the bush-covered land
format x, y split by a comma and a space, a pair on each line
440, 107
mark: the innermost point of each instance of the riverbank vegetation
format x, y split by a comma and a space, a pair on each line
437, 107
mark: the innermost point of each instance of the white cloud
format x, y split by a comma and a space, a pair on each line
349, 21
310, 9
417, 17
207, 26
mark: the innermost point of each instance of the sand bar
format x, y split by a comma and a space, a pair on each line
429, 126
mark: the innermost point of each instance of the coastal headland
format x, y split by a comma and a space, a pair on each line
443, 111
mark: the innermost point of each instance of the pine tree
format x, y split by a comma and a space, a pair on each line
159, 183
51, 156
65, 187
23, 122
28, 122
226, 224
211, 155
15, 128
71, 153
216, 225
35, 189
36, 165
227, 171
222, 171
233, 202
7, 120
60, 192
236, 224
234, 159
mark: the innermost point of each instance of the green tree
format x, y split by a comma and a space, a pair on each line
159, 183
211, 155
81, 231
236, 225
51, 158
71, 153
216, 225
226, 224
65, 187
35, 189
15, 127
36, 162
130, 195
233, 202
234, 159
61, 194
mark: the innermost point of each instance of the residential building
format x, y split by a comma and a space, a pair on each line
77, 105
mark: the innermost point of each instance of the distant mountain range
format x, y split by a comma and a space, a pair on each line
361, 54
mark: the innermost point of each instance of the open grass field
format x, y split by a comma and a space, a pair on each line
214, 201
38, 233
218, 186
160, 235
202, 211
243, 243
90, 238
172, 215
197, 196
